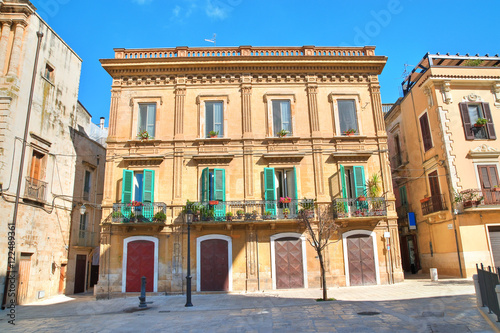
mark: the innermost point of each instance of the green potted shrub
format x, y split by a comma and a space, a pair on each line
481, 122
144, 135
267, 215
282, 133
160, 217
229, 216
213, 134
286, 211
350, 131
240, 213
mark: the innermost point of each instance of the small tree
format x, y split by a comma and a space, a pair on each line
320, 230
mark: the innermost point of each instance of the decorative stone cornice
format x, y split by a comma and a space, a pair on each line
447, 96
484, 151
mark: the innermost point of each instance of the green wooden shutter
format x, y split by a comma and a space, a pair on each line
127, 187
359, 180
148, 189
220, 193
205, 185
342, 181
295, 185
270, 190
403, 196
359, 185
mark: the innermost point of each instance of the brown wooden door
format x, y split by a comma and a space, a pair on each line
361, 260
24, 277
488, 176
62, 279
437, 203
214, 265
289, 265
80, 273
140, 262
36, 166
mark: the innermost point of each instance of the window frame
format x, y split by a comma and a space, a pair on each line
426, 114
83, 221
221, 132
135, 101
485, 110
86, 194
201, 100
49, 72
268, 99
334, 97
274, 120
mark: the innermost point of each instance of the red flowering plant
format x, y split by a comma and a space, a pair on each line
135, 204
285, 200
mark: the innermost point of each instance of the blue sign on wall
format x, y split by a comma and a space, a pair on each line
412, 221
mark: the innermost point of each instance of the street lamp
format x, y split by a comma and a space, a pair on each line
189, 220
83, 209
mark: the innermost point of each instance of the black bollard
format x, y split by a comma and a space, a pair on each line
142, 298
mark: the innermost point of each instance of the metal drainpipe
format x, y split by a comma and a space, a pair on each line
12, 226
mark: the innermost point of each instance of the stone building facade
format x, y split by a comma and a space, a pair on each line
46, 199
445, 163
252, 136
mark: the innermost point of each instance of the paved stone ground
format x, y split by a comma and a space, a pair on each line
417, 305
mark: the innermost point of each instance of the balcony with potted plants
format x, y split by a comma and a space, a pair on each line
472, 198
250, 211
137, 213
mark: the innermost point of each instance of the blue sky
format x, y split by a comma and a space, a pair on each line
402, 30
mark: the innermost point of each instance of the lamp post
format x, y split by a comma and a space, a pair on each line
189, 220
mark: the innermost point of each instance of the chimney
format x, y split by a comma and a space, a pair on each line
101, 123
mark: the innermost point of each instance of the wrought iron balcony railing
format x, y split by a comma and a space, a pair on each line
147, 212
476, 197
348, 208
87, 238
433, 204
252, 210
35, 189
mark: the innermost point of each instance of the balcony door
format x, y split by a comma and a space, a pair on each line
280, 183
138, 186
488, 177
437, 203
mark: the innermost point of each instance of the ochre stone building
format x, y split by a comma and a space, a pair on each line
444, 159
252, 136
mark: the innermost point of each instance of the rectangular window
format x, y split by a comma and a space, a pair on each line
397, 145
213, 188
280, 183
83, 226
138, 186
214, 117
347, 116
36, 171
353, 181
86, 185
49, 72
147, 119
282, 116
472, 118
426, 132
403, 197
488, 176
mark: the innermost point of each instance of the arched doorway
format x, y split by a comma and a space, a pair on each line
360, 258
140, 258
214, 263
288, 255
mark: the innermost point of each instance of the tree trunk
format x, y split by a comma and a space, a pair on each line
323, 277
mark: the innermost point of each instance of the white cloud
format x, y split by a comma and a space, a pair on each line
219, 10
176, 11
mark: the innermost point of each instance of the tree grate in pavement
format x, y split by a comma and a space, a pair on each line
368, 313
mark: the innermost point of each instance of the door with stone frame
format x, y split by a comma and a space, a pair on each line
361, 260
288, 261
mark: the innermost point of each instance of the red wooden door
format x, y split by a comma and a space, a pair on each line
214, 265
140, 262
80, 273
62, 279
24, 277
289, 265
361, 260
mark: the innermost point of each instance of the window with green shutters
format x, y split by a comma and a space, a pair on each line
147, 194
352, 181
213, 188
279, 183
270, 190
403, 198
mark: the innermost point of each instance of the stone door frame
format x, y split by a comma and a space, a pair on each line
229, 258
273, 254
124, 263
373, 236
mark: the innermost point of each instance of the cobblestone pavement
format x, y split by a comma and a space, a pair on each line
417, 305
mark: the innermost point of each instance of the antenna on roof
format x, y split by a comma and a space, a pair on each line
213, 40
406, 72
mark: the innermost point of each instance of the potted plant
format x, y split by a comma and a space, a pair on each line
248, 216
116, 215
361, 198
267, 215
229, 216
254, 214
286, 211
282, 133
350, 131
132, 218
341, 209
481, 122
144, 135
240, 213
213, 134
160, 217
307, 207
285, 200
